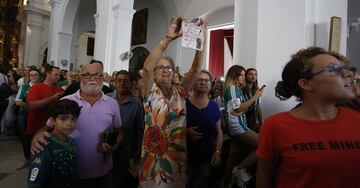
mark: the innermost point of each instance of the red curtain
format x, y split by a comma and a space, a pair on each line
216, 57
229, 35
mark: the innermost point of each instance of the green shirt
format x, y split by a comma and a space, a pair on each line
54, 166
63, 83
21, 96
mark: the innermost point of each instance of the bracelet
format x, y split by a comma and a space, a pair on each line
161, 45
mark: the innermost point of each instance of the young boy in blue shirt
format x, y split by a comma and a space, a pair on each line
55, 165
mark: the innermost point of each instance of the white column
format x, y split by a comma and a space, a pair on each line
245, 32
113, 33
64, 54
32, 44
102, 25
54, 29
122, 16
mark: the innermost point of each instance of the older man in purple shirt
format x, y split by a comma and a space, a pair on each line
98, 113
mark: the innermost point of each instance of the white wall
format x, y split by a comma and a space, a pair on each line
353, 42
84, 22
36, 33
216, 12
157, 22
324, 10
82, 58
283, 28
281, 32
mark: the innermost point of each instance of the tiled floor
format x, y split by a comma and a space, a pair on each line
10, 157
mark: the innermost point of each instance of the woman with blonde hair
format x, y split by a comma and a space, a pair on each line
236, 104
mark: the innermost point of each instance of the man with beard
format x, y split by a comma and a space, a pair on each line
73, 87
99, 113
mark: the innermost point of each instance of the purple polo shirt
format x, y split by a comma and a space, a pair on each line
93, 121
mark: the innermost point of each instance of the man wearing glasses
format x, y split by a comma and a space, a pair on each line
71, 89
98, 114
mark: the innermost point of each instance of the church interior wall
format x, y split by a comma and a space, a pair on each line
157, 22
353, 40
197, 8
84, 22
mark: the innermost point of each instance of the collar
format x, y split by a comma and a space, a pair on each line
131, 97
77, 95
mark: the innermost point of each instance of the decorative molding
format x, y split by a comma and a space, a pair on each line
55, 3
29, 9
122, 11
96, 17
35, 26
65, 34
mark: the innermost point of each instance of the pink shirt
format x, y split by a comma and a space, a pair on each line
93, 121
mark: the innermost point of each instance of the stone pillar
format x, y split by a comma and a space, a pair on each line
113, 37
245, 32
32, 43
64, 54
54, 29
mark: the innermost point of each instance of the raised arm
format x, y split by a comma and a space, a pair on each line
150, 62
196, 66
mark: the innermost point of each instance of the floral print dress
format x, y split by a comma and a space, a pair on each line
164, 143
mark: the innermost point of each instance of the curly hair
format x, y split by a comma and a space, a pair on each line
298, 68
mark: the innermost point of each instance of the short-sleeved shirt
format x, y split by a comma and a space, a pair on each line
63, 83
37, 117
313, 153
92, 122
21, 96
237, 124
132, 116
200, 151
55, 165
164, 143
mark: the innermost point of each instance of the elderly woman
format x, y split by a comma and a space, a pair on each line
316, 144
164, 143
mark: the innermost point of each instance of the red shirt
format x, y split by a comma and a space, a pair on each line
313, 153
37, 117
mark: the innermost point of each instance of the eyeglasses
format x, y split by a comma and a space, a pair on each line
89, 75
163, 69
34, 75
337, 69
206, 81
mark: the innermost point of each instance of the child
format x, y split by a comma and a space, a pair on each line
55, 165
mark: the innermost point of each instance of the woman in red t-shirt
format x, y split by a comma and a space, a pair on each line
316, 144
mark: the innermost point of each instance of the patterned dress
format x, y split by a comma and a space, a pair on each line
164, 143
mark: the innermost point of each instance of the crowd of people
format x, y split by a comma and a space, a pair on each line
86, 128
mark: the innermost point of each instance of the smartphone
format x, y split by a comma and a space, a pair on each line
262, 87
